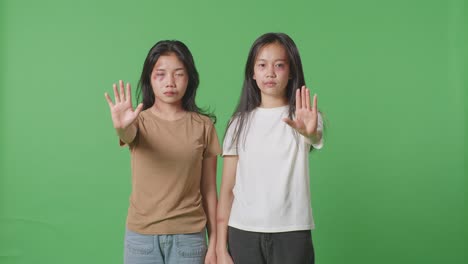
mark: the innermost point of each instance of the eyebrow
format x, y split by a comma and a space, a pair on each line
178, 69
285, 60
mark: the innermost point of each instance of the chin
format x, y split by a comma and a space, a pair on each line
171, 100
271, 91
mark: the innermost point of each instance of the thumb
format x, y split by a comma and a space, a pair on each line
138, 109
289, 122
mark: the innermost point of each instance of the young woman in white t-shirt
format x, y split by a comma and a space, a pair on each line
264, 212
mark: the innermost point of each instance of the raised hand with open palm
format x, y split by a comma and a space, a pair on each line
306, 118
122, 111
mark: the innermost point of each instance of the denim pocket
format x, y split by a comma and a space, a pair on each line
191, 245
139, 243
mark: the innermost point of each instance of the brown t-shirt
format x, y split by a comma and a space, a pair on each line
166, 159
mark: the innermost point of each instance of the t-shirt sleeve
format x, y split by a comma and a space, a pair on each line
319, 144
229, 146
212, 147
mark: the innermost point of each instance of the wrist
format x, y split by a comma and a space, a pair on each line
314, 137
221, 249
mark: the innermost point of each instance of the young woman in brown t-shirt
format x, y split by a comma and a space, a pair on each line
173, 146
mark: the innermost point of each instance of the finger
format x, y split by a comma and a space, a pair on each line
308, 99
314, 105
108, 99
116, 94
122, 94
129, 93
138, 109
298, 98
303, 96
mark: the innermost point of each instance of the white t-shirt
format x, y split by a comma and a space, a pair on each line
272, 190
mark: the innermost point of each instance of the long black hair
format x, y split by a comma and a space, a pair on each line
250, 96
145, 90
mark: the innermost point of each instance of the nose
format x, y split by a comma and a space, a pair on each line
271, 71
170, 81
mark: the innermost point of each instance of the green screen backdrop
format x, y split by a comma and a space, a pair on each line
390, 185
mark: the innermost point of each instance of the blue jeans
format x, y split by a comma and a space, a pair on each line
164, 249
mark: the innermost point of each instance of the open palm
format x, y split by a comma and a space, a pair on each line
122, 110
306, 118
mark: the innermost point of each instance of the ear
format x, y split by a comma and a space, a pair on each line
253, 77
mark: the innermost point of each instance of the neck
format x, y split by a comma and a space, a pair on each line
272, 101
168, 111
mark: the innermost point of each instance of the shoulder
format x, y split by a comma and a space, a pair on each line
145, 114
201, 119
233, 123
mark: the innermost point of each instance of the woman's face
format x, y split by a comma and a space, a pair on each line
169, 79
271, 70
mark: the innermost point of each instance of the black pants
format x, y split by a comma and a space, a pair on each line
270, 248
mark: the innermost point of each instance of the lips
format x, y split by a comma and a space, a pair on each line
169, 93
269, 83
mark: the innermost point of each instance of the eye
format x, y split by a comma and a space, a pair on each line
180, 74
159, 74
279, 65
261, 65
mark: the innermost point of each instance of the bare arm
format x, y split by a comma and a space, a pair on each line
210, 200
224, 207
127, 134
